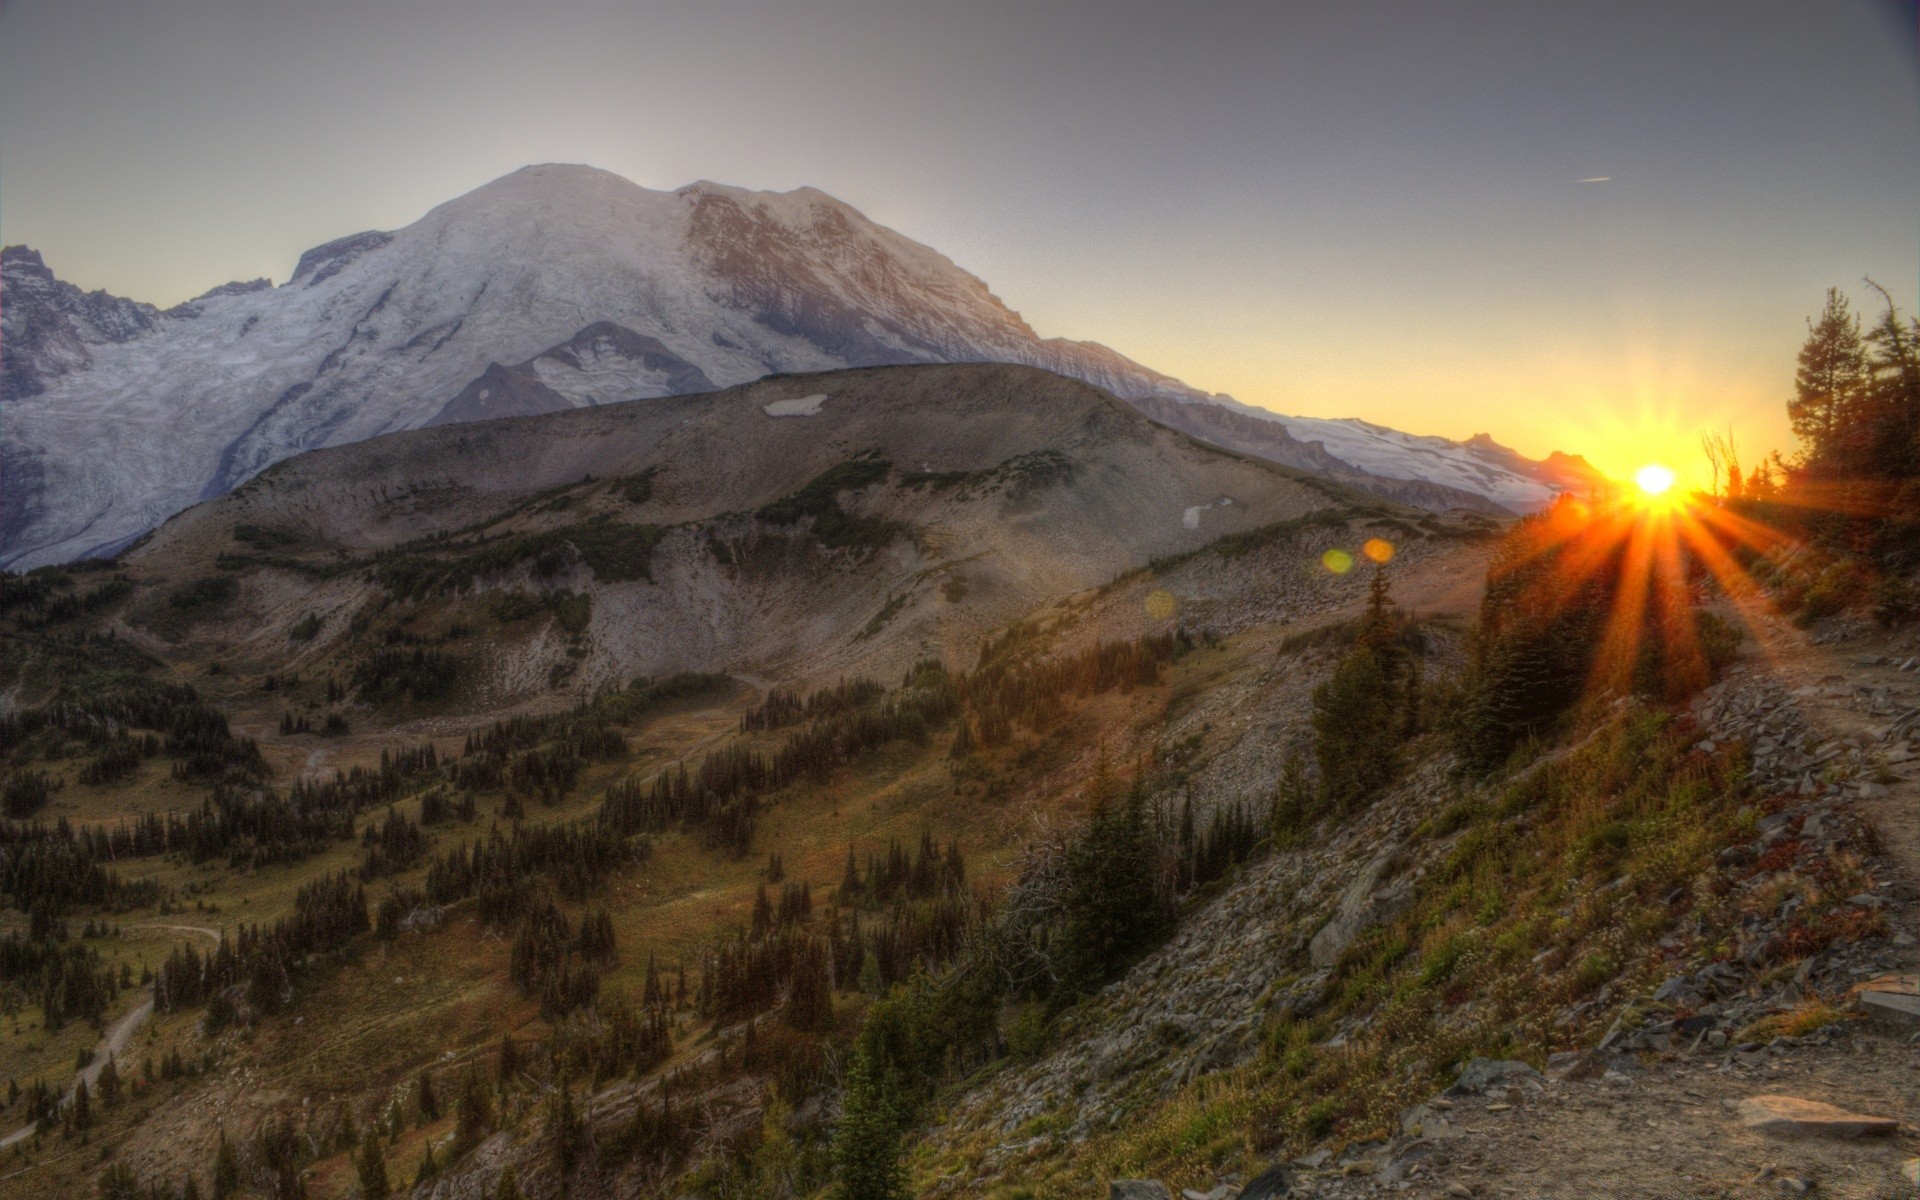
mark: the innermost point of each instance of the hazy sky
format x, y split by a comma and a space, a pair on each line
1338, 209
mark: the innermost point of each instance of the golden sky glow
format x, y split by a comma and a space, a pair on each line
1449, 219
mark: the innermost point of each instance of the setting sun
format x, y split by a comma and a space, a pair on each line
1654, 480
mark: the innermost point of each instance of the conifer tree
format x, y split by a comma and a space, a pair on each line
428, 1168
226, 1169
866, 1144
1831, 379
371, 1165
109, 1082
1111, 906
425, 1099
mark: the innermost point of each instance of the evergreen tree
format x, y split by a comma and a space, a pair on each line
866, 1144
226, 1169
1831, 379
109, 1083
509, 1061
1369, 706
427, 1169
1356, 740
372, 1167
473, 1115
1111, 907
425, 1100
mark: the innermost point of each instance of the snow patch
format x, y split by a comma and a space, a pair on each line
1191, 518
805, 406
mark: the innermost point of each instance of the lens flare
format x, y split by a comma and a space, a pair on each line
1161, 605
1337, 561
1654, 480
1379, 550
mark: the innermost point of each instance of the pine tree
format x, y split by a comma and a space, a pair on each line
1111, 906
110, 1083
1356, 738
1893, 394
1832, 376
509, 1061
372, 1167
428, 1168
425, 1100
866, 1144
509, 1188
226, 1169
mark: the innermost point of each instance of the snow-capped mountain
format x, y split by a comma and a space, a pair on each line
553, 287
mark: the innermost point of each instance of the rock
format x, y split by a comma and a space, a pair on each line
1401, 1165
1681, 991
1219, 1192
1795, 1117
1482, 1073
1271, 1184
1361, 908
1911, 1170
1424, 1121
1900, 1010
1138, 1189
1573, 1065
1459, 1189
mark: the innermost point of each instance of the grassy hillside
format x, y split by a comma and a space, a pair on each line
358, 851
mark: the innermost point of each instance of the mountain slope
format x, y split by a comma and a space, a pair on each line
844, 522
569, 286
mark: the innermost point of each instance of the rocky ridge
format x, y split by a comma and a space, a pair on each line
1662, 1099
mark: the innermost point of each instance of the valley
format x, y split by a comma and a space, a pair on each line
402, 668
615, 801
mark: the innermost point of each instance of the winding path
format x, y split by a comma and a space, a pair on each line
116, 1037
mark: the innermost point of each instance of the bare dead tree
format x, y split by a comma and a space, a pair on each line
1723, 459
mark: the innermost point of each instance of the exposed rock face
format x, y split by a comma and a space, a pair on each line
1050, 487
49, 328
1362, 905
598, 365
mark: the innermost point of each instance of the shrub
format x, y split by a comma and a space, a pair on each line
1895, 602
198, 595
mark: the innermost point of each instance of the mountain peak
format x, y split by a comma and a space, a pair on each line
563, 285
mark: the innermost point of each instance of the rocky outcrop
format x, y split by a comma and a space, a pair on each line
1363, 905
48, 327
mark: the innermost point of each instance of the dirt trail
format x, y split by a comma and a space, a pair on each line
1667, 1126
114, 1041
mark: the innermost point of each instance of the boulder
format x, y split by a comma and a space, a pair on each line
1901, 1010
1361, 907
1138, 1189
1271, 1184
1482, 1073
1793, 1116
1574, 1065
